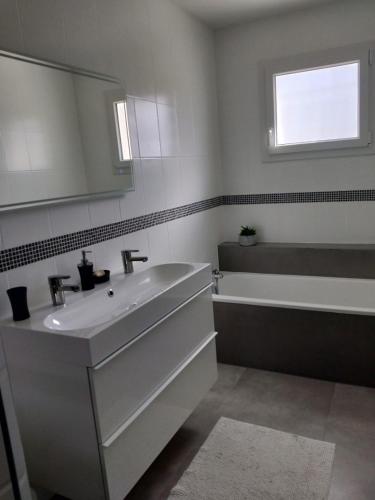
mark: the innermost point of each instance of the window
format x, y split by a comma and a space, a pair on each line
317, 103
119, 132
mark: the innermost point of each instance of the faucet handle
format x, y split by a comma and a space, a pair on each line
126, 254
217, 274
58, 277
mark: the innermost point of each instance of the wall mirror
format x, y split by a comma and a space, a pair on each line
64, 134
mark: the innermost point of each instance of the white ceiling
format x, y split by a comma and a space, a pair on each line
220, 13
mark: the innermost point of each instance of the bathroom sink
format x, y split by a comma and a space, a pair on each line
117, 299
94, 324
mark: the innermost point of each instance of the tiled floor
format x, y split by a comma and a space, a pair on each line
338, 413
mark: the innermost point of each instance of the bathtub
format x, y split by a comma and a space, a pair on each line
305, 325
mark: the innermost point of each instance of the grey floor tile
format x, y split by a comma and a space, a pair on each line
351, 426
354, 466
285, 402
228, 377
353, 409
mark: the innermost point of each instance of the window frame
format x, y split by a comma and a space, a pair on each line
362, 145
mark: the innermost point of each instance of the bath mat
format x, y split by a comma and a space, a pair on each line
241, 461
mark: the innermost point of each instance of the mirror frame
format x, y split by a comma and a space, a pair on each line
77, 198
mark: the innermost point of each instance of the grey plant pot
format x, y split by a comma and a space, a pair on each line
247, 241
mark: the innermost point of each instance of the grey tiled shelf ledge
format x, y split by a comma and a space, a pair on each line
346, 261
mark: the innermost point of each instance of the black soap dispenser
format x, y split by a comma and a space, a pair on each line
86, 271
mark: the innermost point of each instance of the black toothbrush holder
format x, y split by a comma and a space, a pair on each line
18, 301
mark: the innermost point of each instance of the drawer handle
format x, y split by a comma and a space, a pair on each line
152, 398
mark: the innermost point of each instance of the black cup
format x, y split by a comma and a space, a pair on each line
18, 301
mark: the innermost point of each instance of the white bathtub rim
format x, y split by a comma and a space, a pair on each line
309, 306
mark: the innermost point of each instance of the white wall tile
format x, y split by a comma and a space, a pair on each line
187, 240
82, 43
153, 185
184, 243
5, 309
168, 130
10, 27
359, 218
24, 227
313, 222
148, 129
69, 218
104, 211
163, 19
43, 28
1, 241
185, 122
158, 238
173, 182
124, 29
197, 179
107, 255
5, 194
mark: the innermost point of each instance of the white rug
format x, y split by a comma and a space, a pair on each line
241, 461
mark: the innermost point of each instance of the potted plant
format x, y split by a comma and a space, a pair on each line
247, 237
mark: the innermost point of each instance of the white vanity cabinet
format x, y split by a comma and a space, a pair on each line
127, 454
90, 432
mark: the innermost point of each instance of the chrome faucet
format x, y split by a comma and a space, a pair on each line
128, 259
58, 289
216, 276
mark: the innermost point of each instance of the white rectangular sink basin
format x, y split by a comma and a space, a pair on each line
93, 325
117, 299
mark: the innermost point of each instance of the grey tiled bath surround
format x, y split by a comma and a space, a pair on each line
12, 258
317, 344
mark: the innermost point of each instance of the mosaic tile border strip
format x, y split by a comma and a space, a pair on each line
33, 252
300, 197
45, 249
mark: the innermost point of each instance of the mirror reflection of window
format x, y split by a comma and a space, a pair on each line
117, 110
122, 129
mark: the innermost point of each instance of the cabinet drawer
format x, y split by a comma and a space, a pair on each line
130, 452
125, 380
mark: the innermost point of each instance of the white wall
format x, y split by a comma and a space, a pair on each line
239, 49
166, 60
